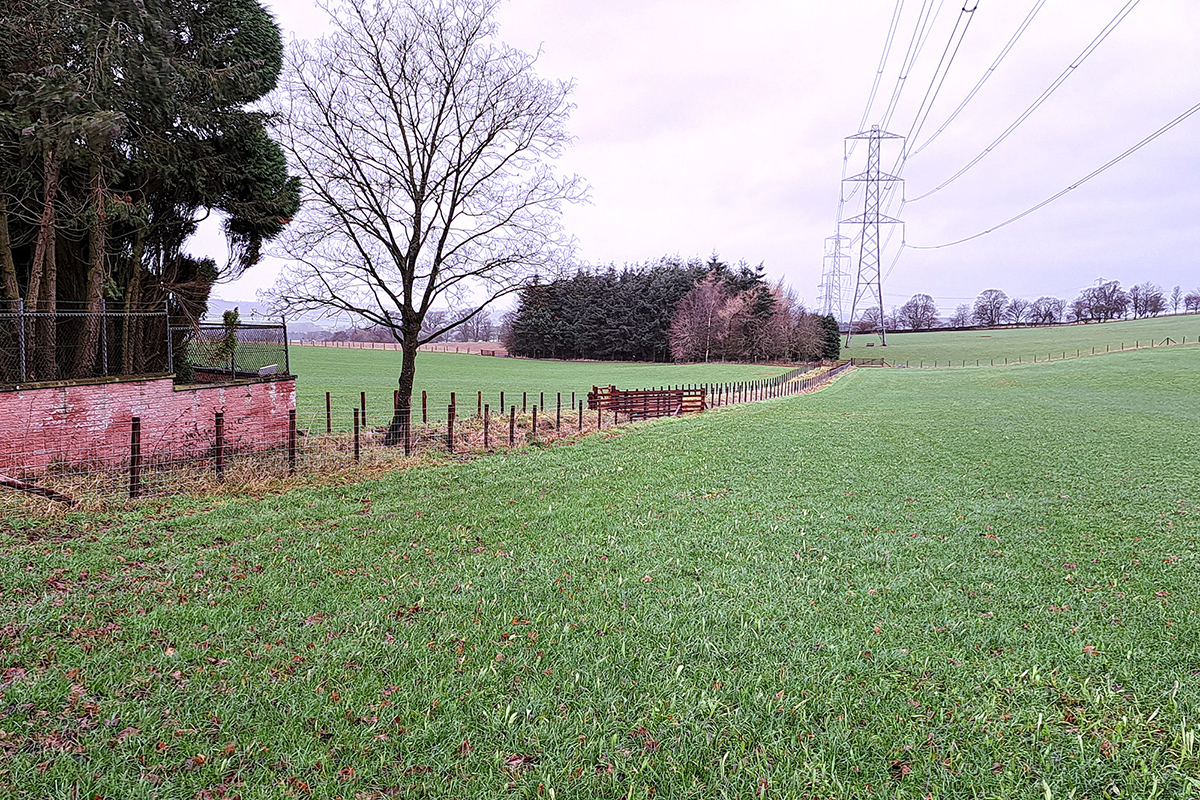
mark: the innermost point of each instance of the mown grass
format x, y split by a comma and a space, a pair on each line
949, 584
346, 373
1022, 344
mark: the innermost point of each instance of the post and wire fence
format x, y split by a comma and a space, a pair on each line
347, 434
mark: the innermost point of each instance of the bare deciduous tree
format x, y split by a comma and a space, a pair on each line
989, 307
1018, 310
919, 313
961, 317
1047, 310
700, 321
425, 148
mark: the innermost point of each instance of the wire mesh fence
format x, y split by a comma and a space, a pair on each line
42, 347
200, 439
208, 353
77, 345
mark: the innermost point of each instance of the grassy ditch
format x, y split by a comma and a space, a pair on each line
948, 584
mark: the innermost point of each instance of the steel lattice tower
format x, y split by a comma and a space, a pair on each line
869, 283
833, 275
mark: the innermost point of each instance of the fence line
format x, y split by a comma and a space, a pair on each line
144, 456
1062, 355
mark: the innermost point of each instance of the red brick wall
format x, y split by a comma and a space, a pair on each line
89, 424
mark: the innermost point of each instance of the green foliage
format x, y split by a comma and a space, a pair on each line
995, 605
831, 338
611, 316
141, 105
626, 315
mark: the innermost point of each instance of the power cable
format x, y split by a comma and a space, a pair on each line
883, 58
910, 58
947, 59
1073, 186
887, 48
1124, 12
990, 70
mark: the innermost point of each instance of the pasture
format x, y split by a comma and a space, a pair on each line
346, 373
950, 584
1023, 344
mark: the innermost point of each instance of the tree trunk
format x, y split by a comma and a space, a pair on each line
8, 269
131, 337
48, 335
86, 355
408, 370
46, 228
9, 360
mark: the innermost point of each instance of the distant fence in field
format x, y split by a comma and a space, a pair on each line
1035, 358
264, 442
470, 348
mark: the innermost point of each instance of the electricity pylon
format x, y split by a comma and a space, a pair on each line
833, 274
869, 282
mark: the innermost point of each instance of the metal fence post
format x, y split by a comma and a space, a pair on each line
104, 337
292, 442
21, 370
287, 358
219, 445
170, 345
135, 458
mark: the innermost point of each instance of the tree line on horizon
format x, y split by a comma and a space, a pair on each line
1104, 302
668, 310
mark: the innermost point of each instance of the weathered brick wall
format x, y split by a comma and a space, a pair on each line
88, 425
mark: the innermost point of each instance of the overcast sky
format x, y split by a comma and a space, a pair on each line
714, 125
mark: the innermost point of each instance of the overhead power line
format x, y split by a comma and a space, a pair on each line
1073, 186
990, 71
915, 45
943, 69
887, 49
1059, 81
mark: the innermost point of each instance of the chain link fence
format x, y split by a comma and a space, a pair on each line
43, 347
216, 352
39, 346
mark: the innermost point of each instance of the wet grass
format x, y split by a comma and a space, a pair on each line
950, 584
346, 373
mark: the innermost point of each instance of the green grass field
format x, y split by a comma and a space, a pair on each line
949, 584
345, 373
1022, 344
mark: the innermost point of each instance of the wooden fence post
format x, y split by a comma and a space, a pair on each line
292, 442
487, 424
535, 408
479, 406
363, 405
135, 458
580, 413
357, 453
524, 402
328, 414
219, 445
